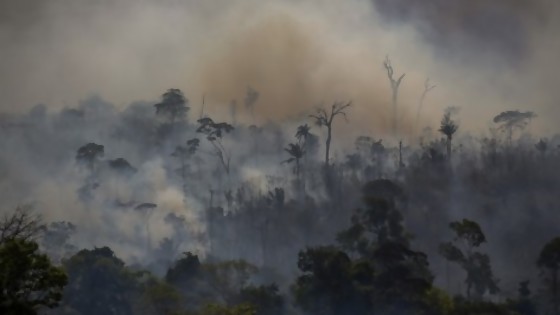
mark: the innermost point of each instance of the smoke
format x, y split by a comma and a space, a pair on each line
298, 54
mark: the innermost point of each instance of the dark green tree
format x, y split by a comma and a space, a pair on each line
28, 280
549, 263
99, 283
468, 237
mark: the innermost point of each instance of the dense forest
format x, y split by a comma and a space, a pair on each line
174, 212
279, 157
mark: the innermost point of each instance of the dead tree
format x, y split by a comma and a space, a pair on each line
324, 118
395, 84
427, 88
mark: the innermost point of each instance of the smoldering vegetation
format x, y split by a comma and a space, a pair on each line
282, 157
153, 181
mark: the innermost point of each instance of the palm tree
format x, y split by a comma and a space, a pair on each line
448, 127
303, 133
296, 153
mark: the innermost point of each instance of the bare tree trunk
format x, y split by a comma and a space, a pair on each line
449, 149
395, 111
328, 148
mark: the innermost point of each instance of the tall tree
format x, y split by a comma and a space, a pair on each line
251, 98
427, 88
296, 153
448, 127
549, 263
184, 153
469, 236
90, 154
325, 119
99, 283
28, 280
395, 84
511, 120
173, 105
214, 134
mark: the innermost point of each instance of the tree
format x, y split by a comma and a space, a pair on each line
122, 166
549, 263
146, 209
448, 127
542, 146
324, 118
469, 236
302, 134
183, 154
251, 98
99, 283
395, 84
214, 134
265, 298
511, 120
22, 224
327, 283
173, 105
28, 280
296, 153
427, 88
89, 154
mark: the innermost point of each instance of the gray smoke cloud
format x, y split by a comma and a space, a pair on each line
296, 53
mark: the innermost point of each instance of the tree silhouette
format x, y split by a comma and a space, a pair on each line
395, 84
469, 236
549, 263
448, 127
427, 88
147, 209
542, 146
296, 153
22, 224
173, 105
511, 120
325, 119
89, 154
302, 134
28, 280
251, 98
183, 154
214, 134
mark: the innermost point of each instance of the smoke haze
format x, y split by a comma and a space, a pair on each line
297, 54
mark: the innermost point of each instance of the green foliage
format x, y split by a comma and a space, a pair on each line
99, 283
469, 232
549, 258
28, 281
477, 265
549, 262
159, 298
326, 286
265, 299
217, 309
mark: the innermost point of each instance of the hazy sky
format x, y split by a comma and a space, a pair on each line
483, 57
